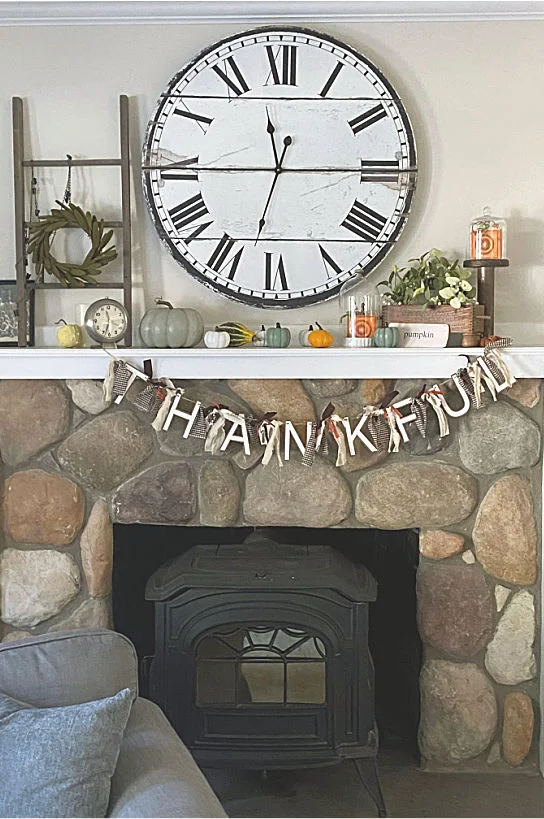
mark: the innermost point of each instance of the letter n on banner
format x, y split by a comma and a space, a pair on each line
290, 433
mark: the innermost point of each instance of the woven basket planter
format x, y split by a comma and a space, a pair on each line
466, 320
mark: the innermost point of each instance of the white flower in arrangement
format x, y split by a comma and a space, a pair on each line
466, 286
447, 293
455, 302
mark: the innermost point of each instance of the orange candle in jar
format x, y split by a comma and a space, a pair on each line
362, 325
486, 244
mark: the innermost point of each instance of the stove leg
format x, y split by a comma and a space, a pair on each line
367, 770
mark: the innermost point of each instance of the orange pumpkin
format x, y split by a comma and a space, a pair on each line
320, 337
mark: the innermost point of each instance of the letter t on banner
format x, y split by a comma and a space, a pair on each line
190, 418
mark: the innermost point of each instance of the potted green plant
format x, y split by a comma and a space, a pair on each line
433, 290
431, 280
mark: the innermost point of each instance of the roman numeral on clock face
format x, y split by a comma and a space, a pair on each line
270, 278
182, 174
379, 170
188, 212
239, 85
328, 262
219, 260
365, 222
200, 119
335, 72
367, 119
283, 64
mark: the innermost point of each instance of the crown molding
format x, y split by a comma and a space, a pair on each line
87, 12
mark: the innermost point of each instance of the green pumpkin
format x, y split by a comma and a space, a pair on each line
386, 337
168, 326
278, 336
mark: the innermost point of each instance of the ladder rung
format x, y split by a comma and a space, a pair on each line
55, 286
106, 224
64, 163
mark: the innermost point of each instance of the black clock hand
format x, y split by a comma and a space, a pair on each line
286, 142
271, 130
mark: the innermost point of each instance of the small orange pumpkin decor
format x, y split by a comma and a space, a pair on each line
320, 337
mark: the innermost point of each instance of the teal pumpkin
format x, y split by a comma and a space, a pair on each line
277, 336
386, 337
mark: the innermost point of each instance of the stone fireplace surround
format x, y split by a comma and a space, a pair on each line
72, 466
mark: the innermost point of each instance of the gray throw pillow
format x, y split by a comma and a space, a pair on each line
58, 762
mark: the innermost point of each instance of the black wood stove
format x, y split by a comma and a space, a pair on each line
261, 657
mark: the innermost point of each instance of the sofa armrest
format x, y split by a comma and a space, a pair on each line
155, 774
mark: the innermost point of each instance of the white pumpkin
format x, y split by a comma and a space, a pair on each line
168, 326
259, 339
303, 336
216, 339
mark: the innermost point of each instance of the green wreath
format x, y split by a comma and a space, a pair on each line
41, 235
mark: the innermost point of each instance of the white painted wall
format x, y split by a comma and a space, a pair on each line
473, 90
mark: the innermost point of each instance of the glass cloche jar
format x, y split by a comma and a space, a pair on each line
487, 237
360, 306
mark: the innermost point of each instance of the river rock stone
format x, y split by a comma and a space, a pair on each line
244, 461
526, 391
455, 608
502, 593
494, 754
88, 395
497, 438
36, 585
92, 613
407, 495
458, 711
374, 390
40, 507
468, 557
107, 450
161, 494
296, 495
97, 550
219, 494
326, 387
284, 396
510, 657
517, 727
436, 544
504, 535
363, 458
33, 416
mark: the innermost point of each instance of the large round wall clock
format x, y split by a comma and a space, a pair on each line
276, 164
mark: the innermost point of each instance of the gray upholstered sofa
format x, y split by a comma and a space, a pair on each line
155, 776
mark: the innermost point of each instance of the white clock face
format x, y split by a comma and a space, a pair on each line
276, 164
107, 321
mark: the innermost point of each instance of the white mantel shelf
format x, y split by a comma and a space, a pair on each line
335, 362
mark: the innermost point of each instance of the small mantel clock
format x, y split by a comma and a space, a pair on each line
276, 164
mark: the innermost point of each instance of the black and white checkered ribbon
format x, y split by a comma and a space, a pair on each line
379, 430
465, 380
419, 408
121, 378
148, 400
200, 426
